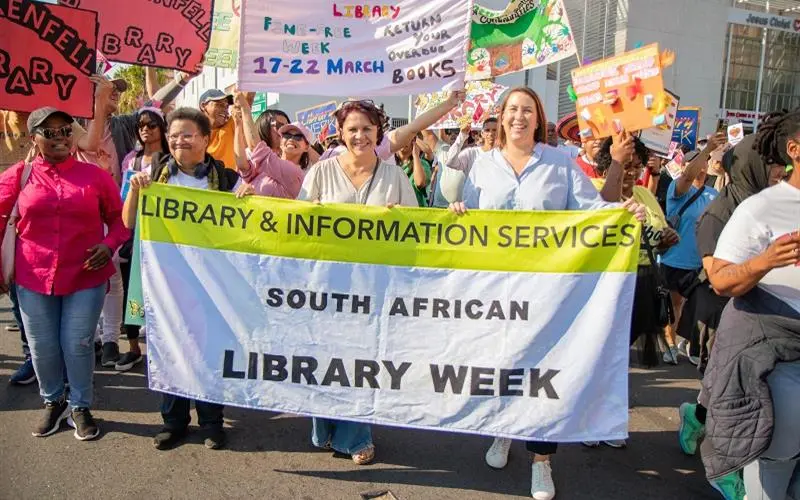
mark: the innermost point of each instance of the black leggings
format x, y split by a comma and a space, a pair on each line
131, 331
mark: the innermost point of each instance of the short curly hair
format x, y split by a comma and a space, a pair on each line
603, 157
375, 115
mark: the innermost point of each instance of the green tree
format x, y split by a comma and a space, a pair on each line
136, 93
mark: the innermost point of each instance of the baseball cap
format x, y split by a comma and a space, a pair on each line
121, 84
215, 95
39, 116
298, 127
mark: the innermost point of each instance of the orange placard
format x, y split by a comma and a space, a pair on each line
47, 53
621, 92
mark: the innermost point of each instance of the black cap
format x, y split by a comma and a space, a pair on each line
215, 95
39, 116
121, 84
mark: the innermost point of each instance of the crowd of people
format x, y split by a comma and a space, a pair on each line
69, 193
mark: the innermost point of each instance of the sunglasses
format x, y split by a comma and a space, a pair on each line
52, 133
296, 137
148, 125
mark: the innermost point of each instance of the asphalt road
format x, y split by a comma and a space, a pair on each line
270, 455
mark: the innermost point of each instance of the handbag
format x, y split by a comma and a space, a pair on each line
666, 315
9, 245
675, 220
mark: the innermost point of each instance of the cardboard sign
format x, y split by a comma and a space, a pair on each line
622, 92
658, 139
320, 47
319, 119
47, 53
675, 165
166, 34
481, 103
526, 34
224, 50
736, 133
687, 125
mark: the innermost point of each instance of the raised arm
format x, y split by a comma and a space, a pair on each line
151, 84
166, 94
90, 141
690, 173
248, 124
405, 134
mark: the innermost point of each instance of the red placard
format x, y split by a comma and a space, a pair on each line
47, 53
168, 34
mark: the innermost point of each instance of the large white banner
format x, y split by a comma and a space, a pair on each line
321, 47
284, 306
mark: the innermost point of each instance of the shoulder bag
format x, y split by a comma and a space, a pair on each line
9, 245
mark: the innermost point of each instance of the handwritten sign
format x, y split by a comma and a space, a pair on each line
658, 139
736, 133
319, 119
687, 126
321, 47
526, 34
675, 165
622, 92
167, 34
481, 103
47, 53
224, 49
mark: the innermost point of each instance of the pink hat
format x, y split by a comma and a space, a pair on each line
298, 127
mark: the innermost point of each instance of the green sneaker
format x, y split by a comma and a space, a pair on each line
691, 430
730, 486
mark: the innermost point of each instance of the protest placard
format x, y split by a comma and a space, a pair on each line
172, 35
481, 103
47, 53
658, 139
319, 119
622, 92
687, 126
490, 324
320, 47
526, 34
223, 51
736, 133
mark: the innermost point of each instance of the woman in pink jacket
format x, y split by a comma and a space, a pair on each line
263, 171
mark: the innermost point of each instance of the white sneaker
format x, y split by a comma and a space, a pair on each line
616, 443
542, 487
497, 456
591, 444
671, 355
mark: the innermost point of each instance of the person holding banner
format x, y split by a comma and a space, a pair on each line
411, 159
358, 176
523, 173
262, 169
62, 265
752, 384
187, 165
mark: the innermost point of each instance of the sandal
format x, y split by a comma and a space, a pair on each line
364, 456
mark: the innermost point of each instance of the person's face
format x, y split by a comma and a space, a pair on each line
217, 112
148, 130
114, 100
591, 147
53, 138
186, 143
489, 134
293, 143
552, 138
519, 120
449, 135
633, 170
360, 135
776, 174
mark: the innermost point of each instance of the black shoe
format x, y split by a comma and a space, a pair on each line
83, 423
110, 355
128, 361
51, 418
214, 438
98, 350
168, 438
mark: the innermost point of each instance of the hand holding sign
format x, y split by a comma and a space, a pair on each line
715, 141
103, 91
622, 147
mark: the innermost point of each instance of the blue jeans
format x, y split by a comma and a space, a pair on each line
343, 436
60, 332
12, 293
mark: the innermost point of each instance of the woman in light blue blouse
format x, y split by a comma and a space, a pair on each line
524, 173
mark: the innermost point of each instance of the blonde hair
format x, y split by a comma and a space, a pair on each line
540, 134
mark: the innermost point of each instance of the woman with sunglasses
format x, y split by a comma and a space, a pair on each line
296, 147
263, 170
62, 265
523, 173
357, 176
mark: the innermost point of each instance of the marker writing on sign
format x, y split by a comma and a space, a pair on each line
52, 29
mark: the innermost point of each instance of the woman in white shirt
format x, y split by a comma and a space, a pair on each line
356, 176
524, 173
756, 260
